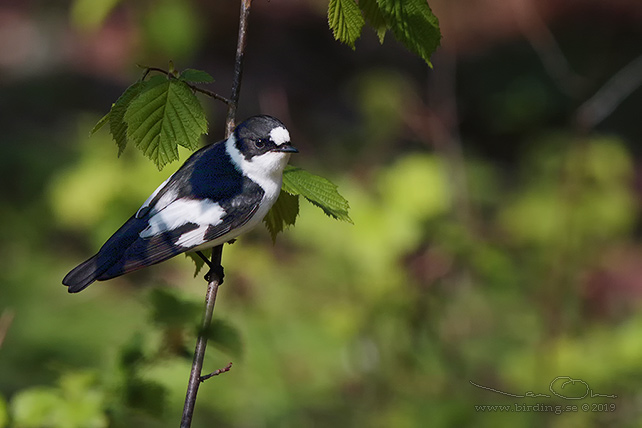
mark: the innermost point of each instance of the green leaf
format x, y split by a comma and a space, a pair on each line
374, 16
196, 76
282, 214
318, 191
169, 309
164, 115
345, 21
197, 260
413, 24
117, 125
103, 120
226, 337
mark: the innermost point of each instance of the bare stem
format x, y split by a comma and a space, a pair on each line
238, 67
216, 272
201, 342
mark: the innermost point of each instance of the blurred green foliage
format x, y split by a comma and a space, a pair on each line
75, 402
384, 322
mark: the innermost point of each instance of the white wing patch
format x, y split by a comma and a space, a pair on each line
152, 196
280, 135
203, 212
193, 237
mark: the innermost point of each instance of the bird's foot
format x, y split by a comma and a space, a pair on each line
214, 273
205, 259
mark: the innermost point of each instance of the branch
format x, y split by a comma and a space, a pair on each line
216, 272
216, 279
550, 53
193, 87
238, 67
217, 372
610, 96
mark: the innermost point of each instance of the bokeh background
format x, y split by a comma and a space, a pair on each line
495, 199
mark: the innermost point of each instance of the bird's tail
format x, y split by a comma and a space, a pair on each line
109, 254
83, 275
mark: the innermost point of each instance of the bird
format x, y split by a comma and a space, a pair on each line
221, 191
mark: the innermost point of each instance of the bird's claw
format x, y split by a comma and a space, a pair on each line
215, 272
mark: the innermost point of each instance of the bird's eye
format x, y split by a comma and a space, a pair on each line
260, 143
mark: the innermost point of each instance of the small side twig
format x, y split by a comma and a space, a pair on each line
210, 94
193, 87
217, 372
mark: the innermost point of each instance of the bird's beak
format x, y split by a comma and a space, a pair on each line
286, 148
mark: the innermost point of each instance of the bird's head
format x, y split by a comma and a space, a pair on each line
260, 145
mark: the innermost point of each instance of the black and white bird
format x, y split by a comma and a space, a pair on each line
221, 191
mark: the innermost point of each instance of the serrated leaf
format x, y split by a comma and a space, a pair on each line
226, 337
196, 76
164, 115
374, 16
317, 190
345, 21
282, 214
413, 24
198, 262
103, 120
117, 124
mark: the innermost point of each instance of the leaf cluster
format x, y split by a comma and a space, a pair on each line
159, 114
411, 21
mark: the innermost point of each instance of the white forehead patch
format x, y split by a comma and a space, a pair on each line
280, 135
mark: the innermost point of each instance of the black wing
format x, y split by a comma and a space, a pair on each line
158, 248
207, 174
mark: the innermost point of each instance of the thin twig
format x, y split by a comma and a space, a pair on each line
216, 275
238, 66
217, 372
547, 48
193, 87
201, 342
610, 96
148, 69
210, 94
